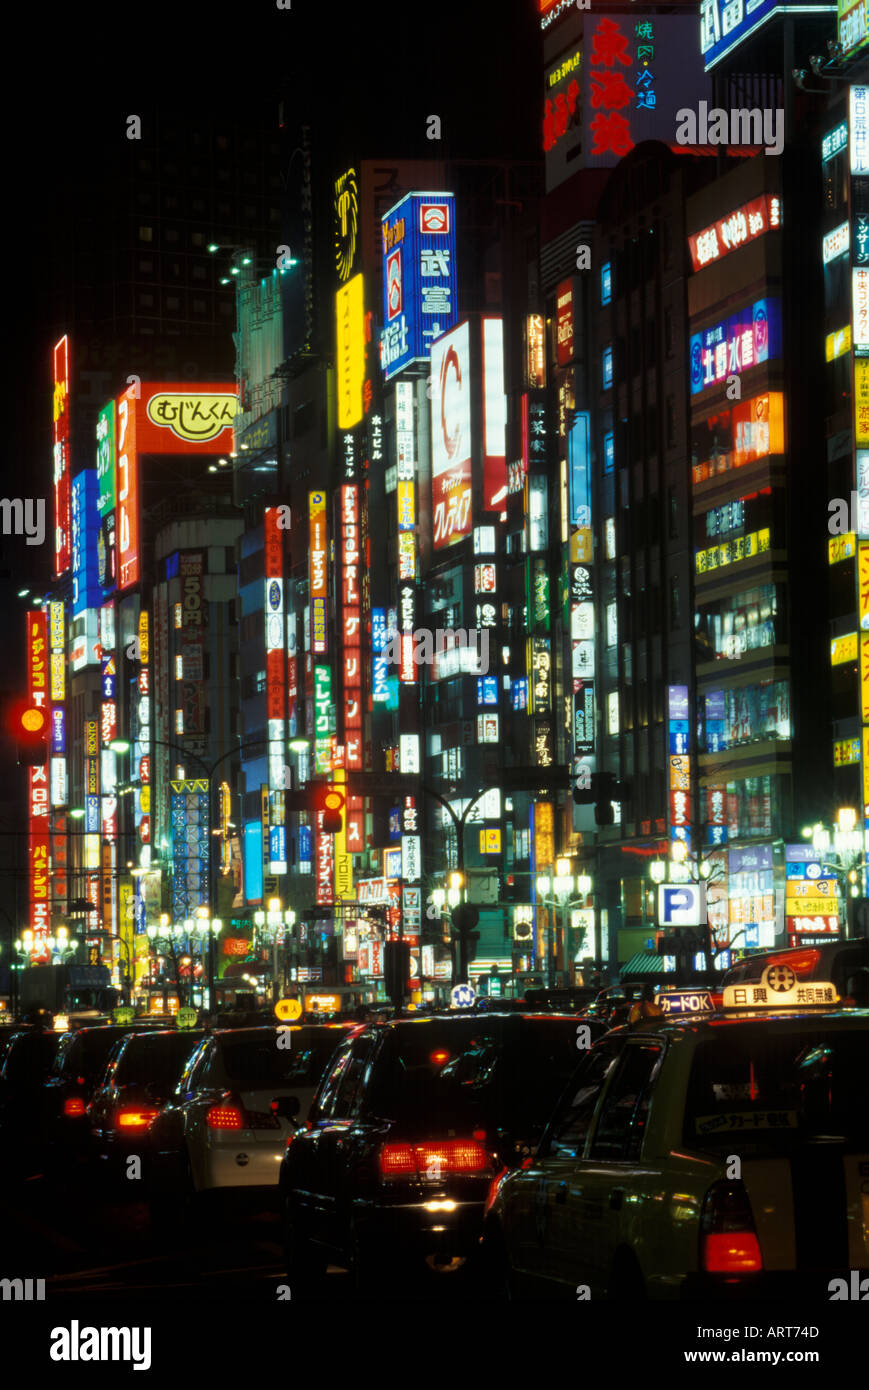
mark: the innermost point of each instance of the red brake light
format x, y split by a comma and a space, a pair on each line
73, 1105
135, 1119
732, 1254
437, 1159
397, 1161
729, 1243
439, 1057
225, 1117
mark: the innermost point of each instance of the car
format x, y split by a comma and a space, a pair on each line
224, 1129
77, 1067
142, 1071
841, 962
407, 1129
28, 1055
720, 1156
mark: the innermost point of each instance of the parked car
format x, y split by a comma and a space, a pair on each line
78, 1065
28, 1056
841, 962
225, 1126
633, 1192
407, 1129
140, 1075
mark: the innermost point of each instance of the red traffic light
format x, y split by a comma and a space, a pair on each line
330, 803
28, 725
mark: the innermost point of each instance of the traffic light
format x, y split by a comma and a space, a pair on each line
600, 789
464, 918
396, 970
28, 725
330, 802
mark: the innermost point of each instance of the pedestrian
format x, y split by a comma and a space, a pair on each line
645, 1007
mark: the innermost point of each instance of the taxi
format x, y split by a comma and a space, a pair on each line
721, 1150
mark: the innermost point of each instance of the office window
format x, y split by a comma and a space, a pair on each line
609, 451
606, 283
146, 301
197, 238
607, 362
146, 233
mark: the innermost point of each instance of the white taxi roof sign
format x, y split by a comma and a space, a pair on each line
779, 988
686, 1002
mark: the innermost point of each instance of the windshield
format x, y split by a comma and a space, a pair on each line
775, 1088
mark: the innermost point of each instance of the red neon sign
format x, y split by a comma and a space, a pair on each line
128, 493
37, 788
61, 440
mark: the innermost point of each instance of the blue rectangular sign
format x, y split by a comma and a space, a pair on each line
420, 290
578, 470
86, 589
733, 346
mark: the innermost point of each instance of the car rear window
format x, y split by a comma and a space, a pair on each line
158, 1058
85, 1053
497, 1074
29, 1056
256, 1061
774, 1088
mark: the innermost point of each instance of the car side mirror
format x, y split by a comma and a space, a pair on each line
287, 1107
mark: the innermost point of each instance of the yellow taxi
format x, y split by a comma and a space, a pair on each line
720, 1150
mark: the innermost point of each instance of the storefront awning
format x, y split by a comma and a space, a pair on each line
643, 963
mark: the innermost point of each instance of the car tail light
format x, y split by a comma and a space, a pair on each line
398, 1161
440, 1158
133, 1118
73, 1105
439, 1057
226, 1115
728, 1240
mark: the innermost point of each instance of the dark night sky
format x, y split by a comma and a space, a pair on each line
375, 70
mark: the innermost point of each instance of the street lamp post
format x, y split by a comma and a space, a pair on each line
563, 884
209, 770
278, 926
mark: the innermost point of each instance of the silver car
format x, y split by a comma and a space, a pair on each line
226, 1126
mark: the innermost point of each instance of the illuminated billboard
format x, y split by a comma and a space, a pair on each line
725, 24
350, 353
420, 292
621, 83
853, 26
317, 577
38, 785
86, 588
179, 418
744, 224
128, 493
351, 643
106, 498
451, 436
61, 446
744, 340
494, 415
859, 115
190, 815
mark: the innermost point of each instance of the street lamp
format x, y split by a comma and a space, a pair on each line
275, 926
562, 884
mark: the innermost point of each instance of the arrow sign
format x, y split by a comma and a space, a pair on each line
683, 905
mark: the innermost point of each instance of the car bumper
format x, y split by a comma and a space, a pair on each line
243, 1165
770, 1285
423, 1228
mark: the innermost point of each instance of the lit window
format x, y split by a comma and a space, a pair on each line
612, 712
179, 721
607, 368
609, 452
606, 283
612, 624
179, 668
609, 531
146, 233
178, 615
